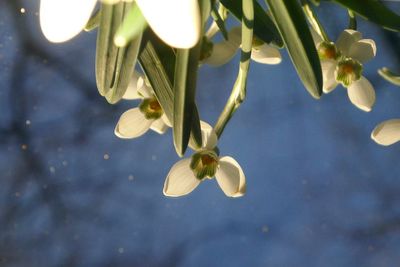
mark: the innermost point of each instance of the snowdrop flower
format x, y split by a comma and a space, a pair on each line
176, 22
149, 115
387, 133
204, 164
220, 53
343, 63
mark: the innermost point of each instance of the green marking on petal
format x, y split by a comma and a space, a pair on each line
328, 50
348, 70
151, 108
206, 49
204, 164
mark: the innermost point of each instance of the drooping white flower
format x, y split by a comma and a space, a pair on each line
220, 53
343, 63
204, 164
387, 133
149, 115
176, 22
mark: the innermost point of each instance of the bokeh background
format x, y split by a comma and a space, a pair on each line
320, 191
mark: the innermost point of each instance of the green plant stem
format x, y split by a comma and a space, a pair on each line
352, 20
238, 93
314, 21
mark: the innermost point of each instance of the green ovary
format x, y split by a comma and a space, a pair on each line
151, 108
204, 164
348, 70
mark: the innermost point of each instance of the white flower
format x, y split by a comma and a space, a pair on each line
220, 53
176, 22
343, 63
387, 133
188, 173
149, 115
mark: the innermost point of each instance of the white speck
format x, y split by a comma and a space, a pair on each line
121, 250
106, 156
130, 177
265, 229
22, 10
28, 122
52, 169
154, 157
24, 147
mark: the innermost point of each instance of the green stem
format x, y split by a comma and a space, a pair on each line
238, 93
314, 21
352, 20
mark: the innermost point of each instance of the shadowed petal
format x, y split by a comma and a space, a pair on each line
387, 133
131, 124
132, 91
176, 22
224, 51
363, 50
328, 74
180, 180
346, 40
230, 177
266, 54
362, 94
209, 137
144, 89
61, 20
159, 126
316, 37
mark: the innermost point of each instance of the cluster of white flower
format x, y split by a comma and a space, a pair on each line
342, 62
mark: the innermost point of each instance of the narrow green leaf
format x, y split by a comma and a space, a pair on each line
114, 66
390, 76
296, 35
264, 27
132, 25
158, 62
374, 11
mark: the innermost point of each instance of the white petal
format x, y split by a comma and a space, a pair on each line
224, 51
61, 20
132, 91
159, 126
387, 132
362, 94
266, 54
230, 177
346, 40
176, 22
363, 50
180, 180
208, 135
328, 73
144, 88
166, 120
131, 124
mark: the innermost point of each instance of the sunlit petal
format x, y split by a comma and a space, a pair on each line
316, 37
209, 137
328, 73
176, 22
180, 180
144, 89
346, 39
230, 177
363, 50
131, 124
266, 54
159, 126
225, 50
387, 133
132, 91
61, 20
362, 94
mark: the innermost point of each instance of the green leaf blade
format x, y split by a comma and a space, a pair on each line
374, 11
296, 35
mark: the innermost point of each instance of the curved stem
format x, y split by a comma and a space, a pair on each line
238, 93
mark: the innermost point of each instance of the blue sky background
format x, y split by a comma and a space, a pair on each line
320, 192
